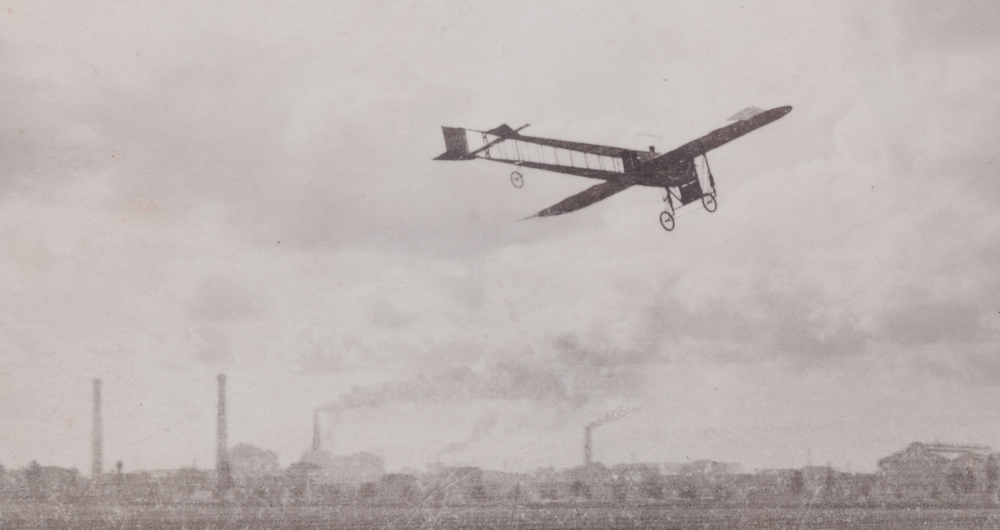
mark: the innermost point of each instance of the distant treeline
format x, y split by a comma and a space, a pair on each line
303, 484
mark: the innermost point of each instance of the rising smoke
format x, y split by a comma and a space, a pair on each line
480, 430
554, 384
563, 383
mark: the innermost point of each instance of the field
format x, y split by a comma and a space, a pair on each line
583, 518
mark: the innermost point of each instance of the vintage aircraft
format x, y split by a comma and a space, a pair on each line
675, 172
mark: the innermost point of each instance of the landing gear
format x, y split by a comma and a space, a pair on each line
690, 188
667, 215
517, 179
667, 221
708, 201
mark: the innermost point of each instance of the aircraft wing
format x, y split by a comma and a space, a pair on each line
587, 197
748, 120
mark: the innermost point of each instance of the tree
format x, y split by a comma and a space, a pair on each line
798, 482
579, 489
246, 460
689, 490
992, 474
368, 491
652, 487
961, 481
516, 493
619, 489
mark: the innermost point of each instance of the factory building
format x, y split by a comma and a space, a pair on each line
938, 472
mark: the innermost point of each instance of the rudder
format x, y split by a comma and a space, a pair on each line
456, 145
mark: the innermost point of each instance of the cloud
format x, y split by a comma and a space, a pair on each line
952, 25
558, 383
319, 352
916, 320
219, 300
212, 346
384, 315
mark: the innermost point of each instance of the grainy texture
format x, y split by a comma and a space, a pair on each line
582, 518
228, 214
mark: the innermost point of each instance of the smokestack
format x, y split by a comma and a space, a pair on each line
97, 449
586, 446
222, 451
316, 442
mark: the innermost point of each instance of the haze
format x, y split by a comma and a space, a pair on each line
247, 187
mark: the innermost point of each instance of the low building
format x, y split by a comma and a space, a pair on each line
358, 468
938, 473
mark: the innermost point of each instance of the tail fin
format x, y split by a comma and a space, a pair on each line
456, 145
745, 114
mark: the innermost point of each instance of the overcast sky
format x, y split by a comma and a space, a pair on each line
244, 187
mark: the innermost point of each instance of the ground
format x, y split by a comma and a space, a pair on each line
234, 517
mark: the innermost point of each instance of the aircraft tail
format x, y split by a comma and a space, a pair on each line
456, 145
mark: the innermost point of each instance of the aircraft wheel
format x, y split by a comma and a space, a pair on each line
517, 179
667, 221
708, 201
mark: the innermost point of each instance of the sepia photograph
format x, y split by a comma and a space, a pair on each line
594, 265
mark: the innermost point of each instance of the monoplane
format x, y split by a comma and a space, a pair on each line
676, 172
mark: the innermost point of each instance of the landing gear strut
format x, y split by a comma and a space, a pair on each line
690, 190
517, 179
667, 220
708, 200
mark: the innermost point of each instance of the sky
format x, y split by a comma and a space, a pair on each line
248, 188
